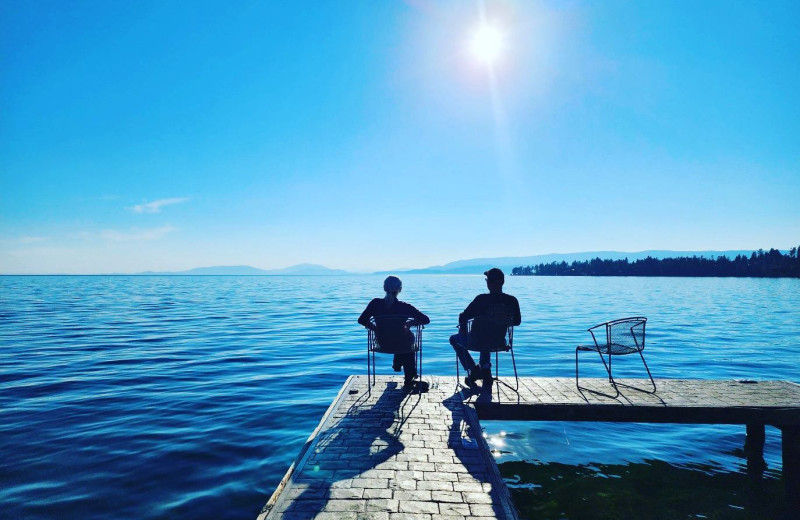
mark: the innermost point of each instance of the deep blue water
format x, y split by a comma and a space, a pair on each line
189, 397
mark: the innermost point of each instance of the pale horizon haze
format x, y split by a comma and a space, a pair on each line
166, 135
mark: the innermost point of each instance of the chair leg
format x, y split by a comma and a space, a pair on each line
374, 376
497, 370
610, 375
652, 381
458, 374
648, 371
496, 373
608, 371
607, 366
420, 360
516, 378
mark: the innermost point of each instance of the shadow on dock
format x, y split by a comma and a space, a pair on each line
391, 452
337, 460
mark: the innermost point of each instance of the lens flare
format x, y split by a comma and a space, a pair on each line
487, 44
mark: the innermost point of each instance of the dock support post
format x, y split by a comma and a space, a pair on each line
754, 450
790, 441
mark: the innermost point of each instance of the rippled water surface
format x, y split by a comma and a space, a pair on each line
189, 397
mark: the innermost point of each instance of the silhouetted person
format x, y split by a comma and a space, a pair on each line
389, 305
502, 310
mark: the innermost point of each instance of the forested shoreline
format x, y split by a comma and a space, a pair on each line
760, 264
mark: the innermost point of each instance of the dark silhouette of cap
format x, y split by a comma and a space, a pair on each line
495, 275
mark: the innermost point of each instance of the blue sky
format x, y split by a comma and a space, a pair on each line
367, 135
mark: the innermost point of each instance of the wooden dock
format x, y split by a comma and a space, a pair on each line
393, 455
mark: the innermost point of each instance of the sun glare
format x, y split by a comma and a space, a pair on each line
487, 44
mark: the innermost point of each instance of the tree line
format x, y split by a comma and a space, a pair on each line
760, 264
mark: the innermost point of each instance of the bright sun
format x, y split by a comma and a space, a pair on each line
487, 44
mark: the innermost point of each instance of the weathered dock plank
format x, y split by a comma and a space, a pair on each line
393, 455
703, 401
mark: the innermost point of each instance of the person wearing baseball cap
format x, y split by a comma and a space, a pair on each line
494, 305
495, 275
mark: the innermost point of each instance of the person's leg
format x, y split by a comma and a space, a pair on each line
486, 364
486, 368
409, 363
458, 341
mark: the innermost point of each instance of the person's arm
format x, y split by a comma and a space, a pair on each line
517, 315
366, 315
470, 312
417, 317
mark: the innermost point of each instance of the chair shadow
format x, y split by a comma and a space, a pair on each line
323, 484
472, 451
619, 395
485, 392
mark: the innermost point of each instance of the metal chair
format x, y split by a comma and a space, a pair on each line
492, 334
622, 337
390, 335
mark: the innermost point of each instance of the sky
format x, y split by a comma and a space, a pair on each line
166, 135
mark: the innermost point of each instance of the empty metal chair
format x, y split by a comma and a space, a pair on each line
393, 335
491, 334
616, 338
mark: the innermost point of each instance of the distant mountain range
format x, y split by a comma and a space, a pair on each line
300, 269
479, 265
472, 266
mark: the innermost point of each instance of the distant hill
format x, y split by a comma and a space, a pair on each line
506, 263
306, 269
471, 266
300, 269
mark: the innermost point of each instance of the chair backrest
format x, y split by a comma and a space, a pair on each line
490, 332
626, 335
392, 334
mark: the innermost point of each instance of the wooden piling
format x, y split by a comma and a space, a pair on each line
754, 450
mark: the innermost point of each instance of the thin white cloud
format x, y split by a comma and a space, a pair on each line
156, 205
136, 234
17, 241
32, 240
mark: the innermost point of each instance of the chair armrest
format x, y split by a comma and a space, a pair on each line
594, 338
605, 324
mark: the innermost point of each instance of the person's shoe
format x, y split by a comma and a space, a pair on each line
408, 385
473, 376
396, 367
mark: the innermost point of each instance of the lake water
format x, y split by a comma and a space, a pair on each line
189, 397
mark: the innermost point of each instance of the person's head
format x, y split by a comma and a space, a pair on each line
495, 280
392, 285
